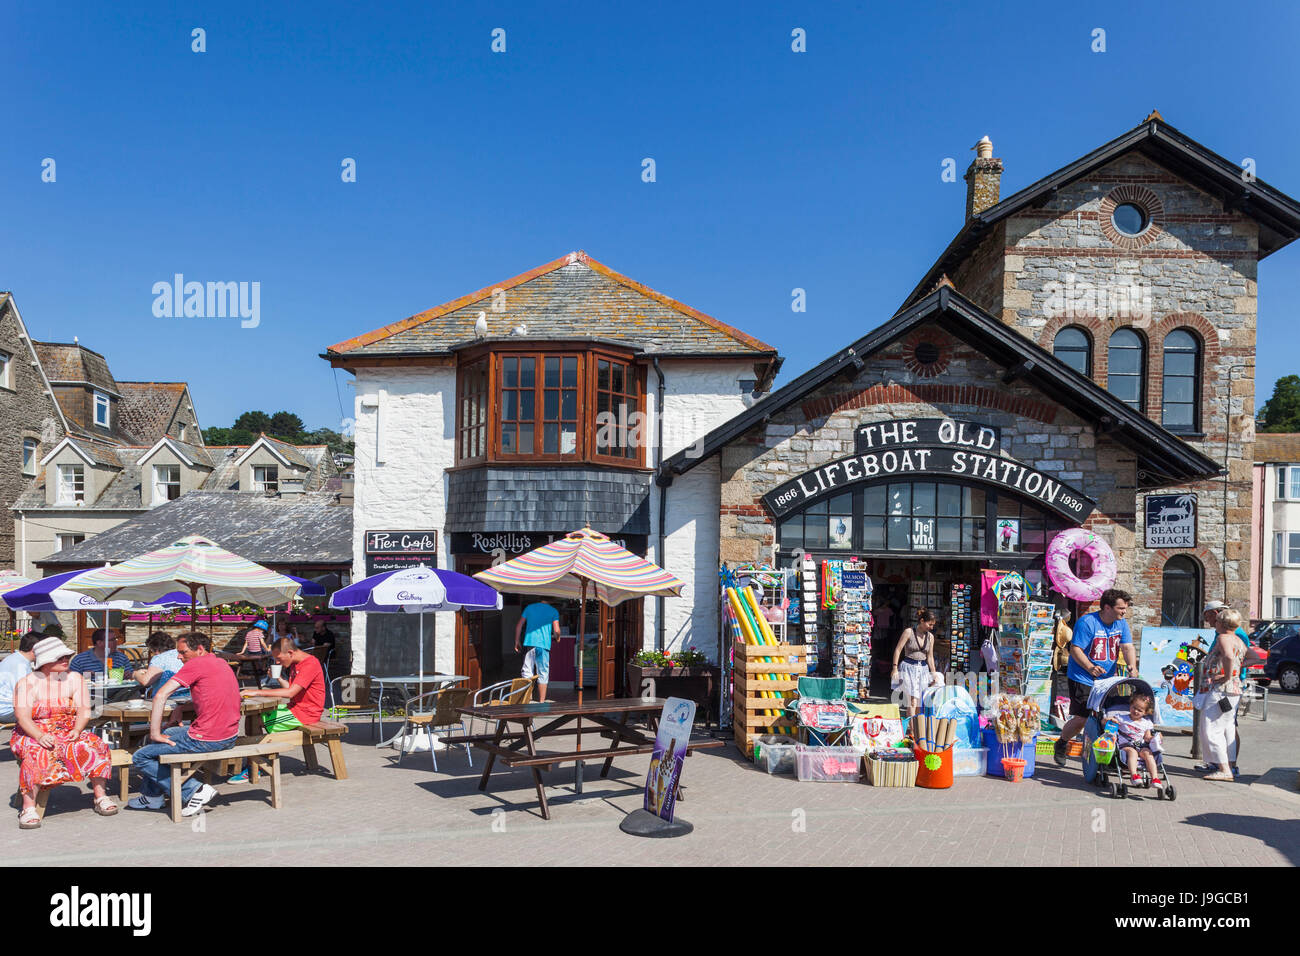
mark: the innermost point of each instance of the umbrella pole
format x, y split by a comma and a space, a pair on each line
582, 629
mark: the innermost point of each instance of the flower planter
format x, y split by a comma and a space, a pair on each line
699, 683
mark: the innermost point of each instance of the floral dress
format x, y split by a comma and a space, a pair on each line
72, 759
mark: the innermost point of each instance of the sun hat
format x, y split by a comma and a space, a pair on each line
1213, 606
48, 651
262, 624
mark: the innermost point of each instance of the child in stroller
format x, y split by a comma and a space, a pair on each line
1123, 710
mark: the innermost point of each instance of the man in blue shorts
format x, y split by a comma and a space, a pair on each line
1099, 639
537, 625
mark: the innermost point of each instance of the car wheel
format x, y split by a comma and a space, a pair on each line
1288, 678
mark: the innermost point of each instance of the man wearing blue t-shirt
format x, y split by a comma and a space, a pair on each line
1099, 639
537, 625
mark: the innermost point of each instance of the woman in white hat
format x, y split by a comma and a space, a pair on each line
52, 707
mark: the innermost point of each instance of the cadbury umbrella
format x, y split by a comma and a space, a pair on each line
583, 562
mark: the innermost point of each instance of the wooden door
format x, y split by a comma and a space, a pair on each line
469, 633
607, 658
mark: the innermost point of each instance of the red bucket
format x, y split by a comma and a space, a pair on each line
934, 768
1013, 768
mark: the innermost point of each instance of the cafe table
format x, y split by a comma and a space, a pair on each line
606, 718
406, 682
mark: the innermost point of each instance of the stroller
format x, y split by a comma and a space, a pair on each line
1108, 697
821, 711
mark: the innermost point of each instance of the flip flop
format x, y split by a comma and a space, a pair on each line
1219, 776
105, 806
29, 819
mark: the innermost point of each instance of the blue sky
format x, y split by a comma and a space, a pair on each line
775, 170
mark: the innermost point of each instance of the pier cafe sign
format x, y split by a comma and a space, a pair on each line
929, 448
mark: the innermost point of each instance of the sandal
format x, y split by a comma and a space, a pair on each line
1220, 776
29, 819
105, 806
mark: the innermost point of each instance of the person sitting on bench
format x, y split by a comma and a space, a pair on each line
164, 662
302, 687
215, 693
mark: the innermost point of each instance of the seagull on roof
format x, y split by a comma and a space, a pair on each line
480, 325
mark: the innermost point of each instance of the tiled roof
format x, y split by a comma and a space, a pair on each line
573, 297
310, 529
66, 362
292, 453
99, 453
1275, 446
147, 409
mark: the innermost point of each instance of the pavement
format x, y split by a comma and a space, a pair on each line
386, 814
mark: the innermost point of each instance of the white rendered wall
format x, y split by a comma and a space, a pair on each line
402, 450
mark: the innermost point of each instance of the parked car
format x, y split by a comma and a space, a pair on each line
1283, 664
1269, 632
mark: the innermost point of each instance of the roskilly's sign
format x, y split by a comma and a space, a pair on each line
921, 463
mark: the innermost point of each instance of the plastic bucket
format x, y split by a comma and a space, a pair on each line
934, 768
998, 750
1013, 768
1103, 755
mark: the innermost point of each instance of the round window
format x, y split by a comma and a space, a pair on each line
927, 353
1130, 219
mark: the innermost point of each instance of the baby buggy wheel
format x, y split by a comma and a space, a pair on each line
1112, 789
1170, 794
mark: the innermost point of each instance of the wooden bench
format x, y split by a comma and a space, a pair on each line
260, 756
328, 732
121, 765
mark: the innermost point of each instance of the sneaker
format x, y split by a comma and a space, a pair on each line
1136, 779
241, 777
202, 797
1059, 752
141, 802
1156, 782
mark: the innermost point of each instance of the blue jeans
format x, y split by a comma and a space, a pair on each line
157, 778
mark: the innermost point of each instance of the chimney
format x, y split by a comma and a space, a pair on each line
983, 180
291, 487
346, 492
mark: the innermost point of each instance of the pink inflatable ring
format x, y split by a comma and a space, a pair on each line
1104, 569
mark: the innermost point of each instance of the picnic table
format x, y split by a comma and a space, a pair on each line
606, 718
119, 717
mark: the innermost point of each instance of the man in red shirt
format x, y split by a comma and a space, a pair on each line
215, 694
302, 685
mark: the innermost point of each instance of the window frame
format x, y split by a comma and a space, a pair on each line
1197, 351
1197, 578
584, 451
275, 482
1141, 374
164, 497
6, 370
101, 400
78, 474
1288, 483
30, 462
1286, 549
633, 377
61, 546
1087, 347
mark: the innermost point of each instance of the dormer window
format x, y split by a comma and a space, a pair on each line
266, 479
550, 403
101, 410
166, 483
72, 484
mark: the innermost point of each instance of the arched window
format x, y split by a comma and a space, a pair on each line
1126, 367
1073, 347
1180, 403
1180, 603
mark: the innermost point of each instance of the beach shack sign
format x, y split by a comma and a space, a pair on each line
921, 449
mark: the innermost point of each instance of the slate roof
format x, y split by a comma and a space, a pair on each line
1278, 214
1161, 454
99, 453
1277, 446
572, 297
147, 409
306, 530
291, 453
70, 363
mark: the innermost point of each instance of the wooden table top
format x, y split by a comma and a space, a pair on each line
614, 705
134, 711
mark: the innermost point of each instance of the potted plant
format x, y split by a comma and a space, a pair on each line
685, 673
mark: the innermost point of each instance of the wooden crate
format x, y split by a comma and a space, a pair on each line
788, 662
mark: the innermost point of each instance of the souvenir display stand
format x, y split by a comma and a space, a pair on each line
961, 627
846, 593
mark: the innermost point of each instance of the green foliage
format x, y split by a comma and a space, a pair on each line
286, 426
1281, 413
254, 422
690, 658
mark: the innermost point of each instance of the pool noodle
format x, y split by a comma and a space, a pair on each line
764, 631
750, 631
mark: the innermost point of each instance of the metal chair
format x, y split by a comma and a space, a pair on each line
517, 690
445, 715
359, 698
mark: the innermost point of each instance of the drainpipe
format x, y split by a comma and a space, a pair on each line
1227, 425
663, 481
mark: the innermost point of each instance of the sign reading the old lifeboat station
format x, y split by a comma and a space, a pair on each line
929, 448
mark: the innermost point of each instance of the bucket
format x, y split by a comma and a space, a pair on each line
1103, 754
934, 768
999, 750
1013, 768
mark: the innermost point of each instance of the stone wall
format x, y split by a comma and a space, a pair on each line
1195, 267
820, 428
26, 411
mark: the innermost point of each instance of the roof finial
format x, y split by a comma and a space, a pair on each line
1154, 117
943, 281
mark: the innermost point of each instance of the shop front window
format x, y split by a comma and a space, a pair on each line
920, 517
1180, 600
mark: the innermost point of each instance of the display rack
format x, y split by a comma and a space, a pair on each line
764, 676
807, 572
847, 589
961, 627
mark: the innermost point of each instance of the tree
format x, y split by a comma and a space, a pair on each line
285, 425
1281, 413
253, 422
338, 444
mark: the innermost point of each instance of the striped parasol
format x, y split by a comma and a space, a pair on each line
12, 579
193, 564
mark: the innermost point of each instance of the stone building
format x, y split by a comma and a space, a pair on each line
31, 422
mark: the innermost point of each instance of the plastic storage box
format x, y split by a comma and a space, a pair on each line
779, 758
828, 764
969, 763
765, 740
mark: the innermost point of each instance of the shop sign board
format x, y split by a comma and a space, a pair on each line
511, 544
920, 463
902, 432
1171, 521
394, 550
669, 754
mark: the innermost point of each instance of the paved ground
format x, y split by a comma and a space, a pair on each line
387, 814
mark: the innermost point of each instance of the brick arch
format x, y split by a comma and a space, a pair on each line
932, 394
1211, 353
1211, 571
1096, 330
1140, 195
